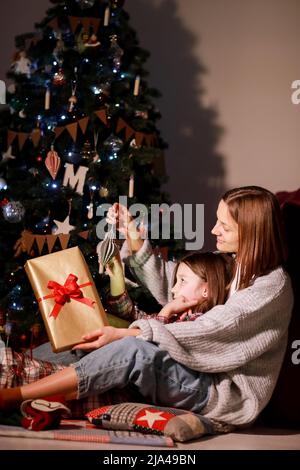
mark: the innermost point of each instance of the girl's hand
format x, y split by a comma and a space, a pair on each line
114, 268
98, 338
178, 305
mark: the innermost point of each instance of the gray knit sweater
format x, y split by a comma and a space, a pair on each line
241, 344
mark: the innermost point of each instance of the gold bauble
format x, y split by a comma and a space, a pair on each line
103, 191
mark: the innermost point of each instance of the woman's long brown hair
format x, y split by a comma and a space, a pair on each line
261, 234
216, 270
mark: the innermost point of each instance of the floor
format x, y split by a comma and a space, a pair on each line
250, 439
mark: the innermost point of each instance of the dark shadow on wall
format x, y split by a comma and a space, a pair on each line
195, 169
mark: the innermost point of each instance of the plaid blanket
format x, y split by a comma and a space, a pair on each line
17, 369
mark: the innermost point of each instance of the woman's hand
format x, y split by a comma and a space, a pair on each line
180, 305
119, 215
98, 338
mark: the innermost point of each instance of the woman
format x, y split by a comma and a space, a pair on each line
223, 365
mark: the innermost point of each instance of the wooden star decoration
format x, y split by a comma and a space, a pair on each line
8, 155
63, 227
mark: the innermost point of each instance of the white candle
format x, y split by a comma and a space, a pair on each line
47, 99
106, 16
137, 85
131, 186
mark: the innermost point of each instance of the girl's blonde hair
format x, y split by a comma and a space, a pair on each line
261, 245
216, 270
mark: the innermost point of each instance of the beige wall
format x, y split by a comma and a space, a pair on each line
252, 52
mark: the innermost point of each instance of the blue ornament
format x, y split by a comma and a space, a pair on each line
85, 3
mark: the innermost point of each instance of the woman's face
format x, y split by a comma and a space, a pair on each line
226, 230
189, 285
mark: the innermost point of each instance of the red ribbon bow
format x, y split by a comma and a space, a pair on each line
62, 294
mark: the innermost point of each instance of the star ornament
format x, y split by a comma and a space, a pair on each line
63, 227
8, 155
150, 417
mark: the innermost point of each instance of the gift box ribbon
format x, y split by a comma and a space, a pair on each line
62, 294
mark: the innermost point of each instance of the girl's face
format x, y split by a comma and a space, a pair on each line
189, 285
226, 230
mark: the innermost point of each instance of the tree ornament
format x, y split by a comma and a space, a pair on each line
63, 227
22, 64
22, 114
72, 101
103, 92
136, 88
47, 99
52, 162
117, 3
8, 155
106, 16
85, 3
115, 52
103, 191
92, 41
13, 212
96, 156
3, 185
112, 145
141, 114
4, 202
59, 78
90, 207
87, 153
75, 180
131, 186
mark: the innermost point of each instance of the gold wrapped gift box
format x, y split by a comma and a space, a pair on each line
67, 297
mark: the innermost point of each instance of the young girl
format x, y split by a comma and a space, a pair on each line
224, 364
200, 280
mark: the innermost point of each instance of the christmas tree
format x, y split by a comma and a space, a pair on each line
81, 132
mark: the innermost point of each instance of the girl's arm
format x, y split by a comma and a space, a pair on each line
149, 269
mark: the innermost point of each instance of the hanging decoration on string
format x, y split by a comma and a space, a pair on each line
75, 180
90, 207
73, 99
96, 156
53, 162
87, 153
116, 52
64, 227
